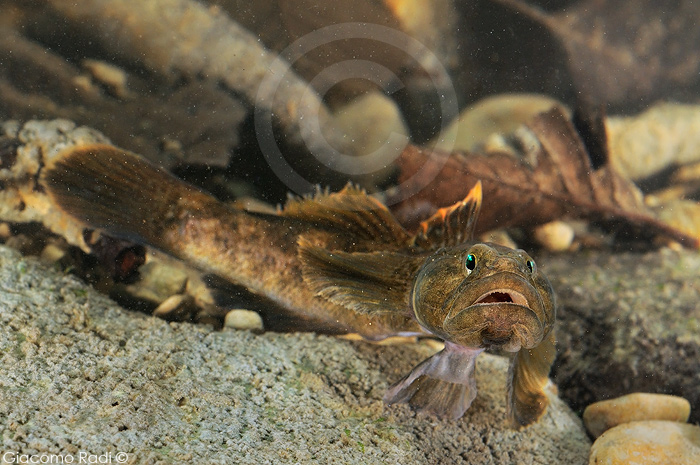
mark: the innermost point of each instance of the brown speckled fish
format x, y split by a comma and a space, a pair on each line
341, 263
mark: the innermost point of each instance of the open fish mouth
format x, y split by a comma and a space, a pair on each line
502, 296
500, 317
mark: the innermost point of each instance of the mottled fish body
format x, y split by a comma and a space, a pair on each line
341, 263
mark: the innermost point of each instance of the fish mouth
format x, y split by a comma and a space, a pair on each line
499, 317
502, 296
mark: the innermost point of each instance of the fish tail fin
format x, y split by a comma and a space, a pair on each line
443, 384
528, 376
118, 191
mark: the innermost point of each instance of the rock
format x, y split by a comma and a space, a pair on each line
52, 253
109, 75
375, 128
664, 135
689, 173
36, 142
601, 416
502, 113
626, 322
683, 183
158, 281
648, 443
77, 372
682, 214
555, 236
243, 319
178, 307
5, 231
499, 236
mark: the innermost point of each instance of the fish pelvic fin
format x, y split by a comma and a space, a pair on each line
351, 211
369, 283
527, 377
118, 191
443, 385
451, 225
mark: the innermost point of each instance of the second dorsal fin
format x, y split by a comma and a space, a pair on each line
452, 225
351, 211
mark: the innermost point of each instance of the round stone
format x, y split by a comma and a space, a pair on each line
601, 416
243, 319
555, 236
648, 443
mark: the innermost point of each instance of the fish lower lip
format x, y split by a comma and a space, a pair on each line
492, 320
493, 325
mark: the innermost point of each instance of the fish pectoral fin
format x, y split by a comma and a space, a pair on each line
443, 384
368, 283
452, 225
528, 376
350, 211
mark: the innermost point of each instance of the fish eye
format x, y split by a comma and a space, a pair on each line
470, 262
530, 266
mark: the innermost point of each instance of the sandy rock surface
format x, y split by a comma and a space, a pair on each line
626, 322
78, 373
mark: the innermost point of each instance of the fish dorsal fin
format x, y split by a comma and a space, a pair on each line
452, 225
370, 283
351, 211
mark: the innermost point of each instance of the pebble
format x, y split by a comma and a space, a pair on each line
159, 280
648, 443
52, 253
243, 319
178, 307
109, 75
601, 416
5, 231
555, 236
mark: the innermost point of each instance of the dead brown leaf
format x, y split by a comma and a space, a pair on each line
625, 51
553, 179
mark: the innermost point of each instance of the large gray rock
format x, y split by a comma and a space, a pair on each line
78, 373
627, 322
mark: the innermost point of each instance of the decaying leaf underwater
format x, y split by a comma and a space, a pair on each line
341, 263
551, 177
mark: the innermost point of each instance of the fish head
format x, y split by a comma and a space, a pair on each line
485, 296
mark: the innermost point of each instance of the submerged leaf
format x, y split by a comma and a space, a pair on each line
551, 179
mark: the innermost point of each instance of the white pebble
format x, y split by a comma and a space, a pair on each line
556, 236
243, 319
